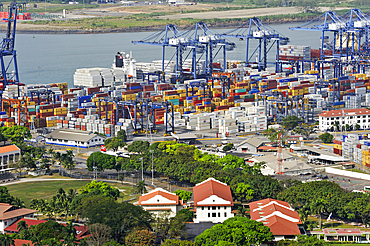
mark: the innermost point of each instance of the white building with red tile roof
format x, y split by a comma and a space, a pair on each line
8, 154
212, 201
352, 117
9, 214
160, 200
282, 220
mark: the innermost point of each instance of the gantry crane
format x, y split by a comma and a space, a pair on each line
266, 36
327, 22
170, 36
8, 75
208, 44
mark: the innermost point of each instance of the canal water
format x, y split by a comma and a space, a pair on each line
53, 58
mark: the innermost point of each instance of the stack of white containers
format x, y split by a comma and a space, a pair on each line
72, 104
203, 123
227, 126
11, 91
107, 76
126, 126
367, 99
89, 77
352, 101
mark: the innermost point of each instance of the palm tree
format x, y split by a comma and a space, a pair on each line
18, 202
318, 207
140, 187
6, 240
22, 225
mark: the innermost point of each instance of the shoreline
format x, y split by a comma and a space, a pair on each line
233, 24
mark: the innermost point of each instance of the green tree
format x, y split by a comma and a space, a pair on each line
183, 194
101, 161
6, 240
302, 240
138, 146
326, 137
114, 143
358, 127
237, 230
100, 234
243, 192
98, 188
140, 237
304, 130
17, 134
175, 242
166, 227
122, 135
188, 214
228, 147
361, 206
122, 218
291, 122
141, 187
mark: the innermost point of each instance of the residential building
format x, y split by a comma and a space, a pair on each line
74, 138
352, 117
160, 200
279, 216
8, 154
9, 214
29, 222
21, 242
212, 201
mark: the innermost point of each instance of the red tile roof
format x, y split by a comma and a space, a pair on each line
347, 112
20, 242
9, 148
29, 222
266, 148
277, 215
161, 192
81, 232
211, 187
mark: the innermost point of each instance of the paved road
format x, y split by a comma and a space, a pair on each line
242, 13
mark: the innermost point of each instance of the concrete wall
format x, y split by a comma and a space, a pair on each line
347, 173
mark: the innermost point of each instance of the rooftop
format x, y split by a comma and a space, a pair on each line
71, 135
277, 215
8, 211
9, 148
29, 222
159, 196
211, 187
345, 112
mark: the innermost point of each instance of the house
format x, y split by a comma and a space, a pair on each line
212, 201
8, 154
9, 214
279, 216
74, 138
29, 222
160, 200
251, 144
81, 231
351, 117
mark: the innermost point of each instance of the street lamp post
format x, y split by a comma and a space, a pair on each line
142, 169
152, 151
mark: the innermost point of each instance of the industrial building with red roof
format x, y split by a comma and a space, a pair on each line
279, 216
212, 201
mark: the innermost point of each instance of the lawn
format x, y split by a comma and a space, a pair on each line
47, 189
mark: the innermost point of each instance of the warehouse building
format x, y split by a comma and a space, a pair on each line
352, 117
74, 138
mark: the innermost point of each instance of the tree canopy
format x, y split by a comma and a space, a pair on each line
236, 230
291, 122
99, 188
101, 161
326, 137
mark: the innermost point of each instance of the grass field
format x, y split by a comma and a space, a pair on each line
47, 189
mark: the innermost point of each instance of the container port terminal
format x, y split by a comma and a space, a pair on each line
196, 90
